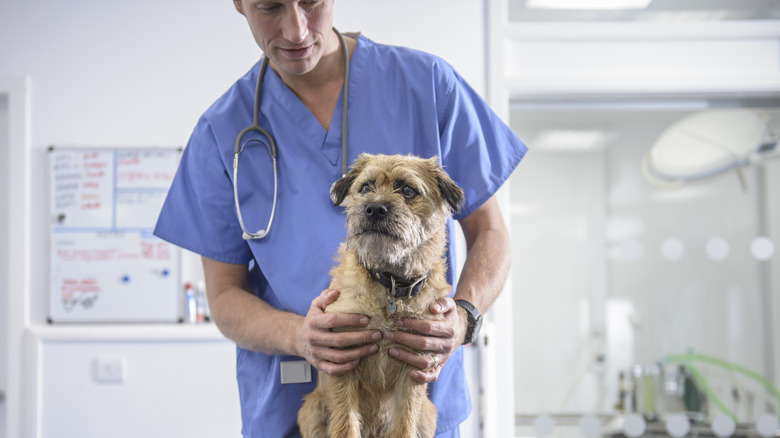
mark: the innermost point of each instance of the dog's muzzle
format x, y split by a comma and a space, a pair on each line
376, 211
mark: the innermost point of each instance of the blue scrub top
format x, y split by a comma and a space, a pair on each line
400, 101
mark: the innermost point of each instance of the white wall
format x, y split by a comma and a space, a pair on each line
170, 389
139, 74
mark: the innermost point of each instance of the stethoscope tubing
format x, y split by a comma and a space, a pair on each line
270, 142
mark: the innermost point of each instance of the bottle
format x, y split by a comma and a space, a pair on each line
203, 304
200, 305
191, 305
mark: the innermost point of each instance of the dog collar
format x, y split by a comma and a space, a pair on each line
398, 287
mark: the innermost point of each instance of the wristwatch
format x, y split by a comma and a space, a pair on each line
475, 321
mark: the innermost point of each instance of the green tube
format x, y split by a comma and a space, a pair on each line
690, 357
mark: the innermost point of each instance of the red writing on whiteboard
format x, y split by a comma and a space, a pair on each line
93, 160
128, 160
71, 287
163, 176
130, 176
125, 256
90, 205
95, 164
98, 174
155, 251
76, 292
134, 176
148, 251
87, 255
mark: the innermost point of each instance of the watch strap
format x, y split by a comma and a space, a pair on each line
474, 320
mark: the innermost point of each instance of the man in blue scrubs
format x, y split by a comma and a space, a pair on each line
268, 294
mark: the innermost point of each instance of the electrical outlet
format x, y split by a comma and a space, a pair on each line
109, 369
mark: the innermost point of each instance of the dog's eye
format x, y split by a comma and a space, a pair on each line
408, 192
366, 188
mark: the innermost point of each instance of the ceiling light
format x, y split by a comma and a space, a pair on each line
569, 140
681, 16
587, 4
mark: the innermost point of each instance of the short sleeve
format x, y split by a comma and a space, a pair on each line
199, 211
478, 150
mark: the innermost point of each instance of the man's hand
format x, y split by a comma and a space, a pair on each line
433, 341
335, 352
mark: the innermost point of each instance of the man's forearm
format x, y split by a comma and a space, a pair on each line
244, 318
255, 325
489, 256
486, 270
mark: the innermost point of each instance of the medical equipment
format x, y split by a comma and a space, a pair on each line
678, 384
707, 144
270, 142
659, 390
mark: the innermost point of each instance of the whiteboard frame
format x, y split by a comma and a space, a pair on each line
54, 315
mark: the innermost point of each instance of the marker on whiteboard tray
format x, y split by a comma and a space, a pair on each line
191, 305
203, 302
200, 301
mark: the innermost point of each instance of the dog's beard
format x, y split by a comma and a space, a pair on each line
381, 251
398, 244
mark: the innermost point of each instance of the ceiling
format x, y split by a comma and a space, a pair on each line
658, 10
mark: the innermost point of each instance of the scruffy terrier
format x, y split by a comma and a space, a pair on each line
391, 266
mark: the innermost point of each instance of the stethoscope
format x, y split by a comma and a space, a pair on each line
270, 143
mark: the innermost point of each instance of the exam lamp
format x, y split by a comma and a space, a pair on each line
707, 144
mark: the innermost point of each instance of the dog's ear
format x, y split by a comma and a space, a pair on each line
340, 188
450, 191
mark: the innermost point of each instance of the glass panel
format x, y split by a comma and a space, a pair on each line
4, 190
614, 276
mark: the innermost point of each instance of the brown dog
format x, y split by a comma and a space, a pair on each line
391, 266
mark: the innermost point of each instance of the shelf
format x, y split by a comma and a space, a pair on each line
128, 332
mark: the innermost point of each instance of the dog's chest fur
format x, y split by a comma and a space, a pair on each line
359, 293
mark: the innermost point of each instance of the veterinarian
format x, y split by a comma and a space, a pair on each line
266, 268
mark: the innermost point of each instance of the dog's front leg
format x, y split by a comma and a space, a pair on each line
415, 413
313, 417
343, 403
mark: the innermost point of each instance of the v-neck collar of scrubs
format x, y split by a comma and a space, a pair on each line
280, 95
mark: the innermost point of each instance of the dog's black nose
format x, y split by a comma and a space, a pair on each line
376, 211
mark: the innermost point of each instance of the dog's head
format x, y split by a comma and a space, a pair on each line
397, 208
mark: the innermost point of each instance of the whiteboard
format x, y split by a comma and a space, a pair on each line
106, 266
